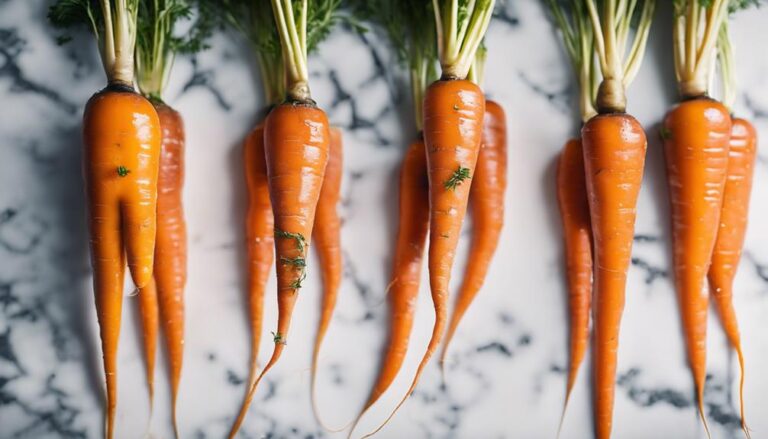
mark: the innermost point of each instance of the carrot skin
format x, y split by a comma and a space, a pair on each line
730, 235
406, 268
614, 158
327, 237
260, 236
121, 134
297, 143
577, 232
489, 185
150, 322
170, 270
696, 151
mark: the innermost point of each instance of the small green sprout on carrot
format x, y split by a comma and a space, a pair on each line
279, 339
122, 171
298, 237
458, 176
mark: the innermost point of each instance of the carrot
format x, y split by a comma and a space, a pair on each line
453, 109
406, 267
327, 235
487, 207
171, 247
578, 39
259, 236
742, 151
614, 147
155, 49
574, 210
695, 133
121, 134
297, 144
730, 235
150, 322
409, 25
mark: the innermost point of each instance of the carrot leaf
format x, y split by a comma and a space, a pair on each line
298, 237
572, 19
113, 23
298, 261
157, 44
461, 25
122, 171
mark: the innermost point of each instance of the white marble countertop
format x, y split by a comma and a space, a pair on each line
506, 375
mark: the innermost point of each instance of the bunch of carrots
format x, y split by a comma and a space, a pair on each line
710, 159
134, 146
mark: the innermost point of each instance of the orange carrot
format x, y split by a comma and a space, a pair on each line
730, 235
574, 210
296, 139
614, 146
614, 157
260, 236
327, 235
122, 144
696, 134
406, 267
170, 271
150, 322
487, 208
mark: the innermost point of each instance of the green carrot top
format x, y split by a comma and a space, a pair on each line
410, 29
157, 45
113, 22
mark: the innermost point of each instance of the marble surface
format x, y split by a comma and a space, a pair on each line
506, 373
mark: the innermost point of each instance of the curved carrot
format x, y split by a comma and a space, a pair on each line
121, 133
577, 231
696, 134
406, 267
171, 247
730, 236
453, 120
150, 322
296, 139
614, 156
260, 236
487, 208
328, 244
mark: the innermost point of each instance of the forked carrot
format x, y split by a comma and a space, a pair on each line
614, 146
121, 134
327, 235
696, 133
